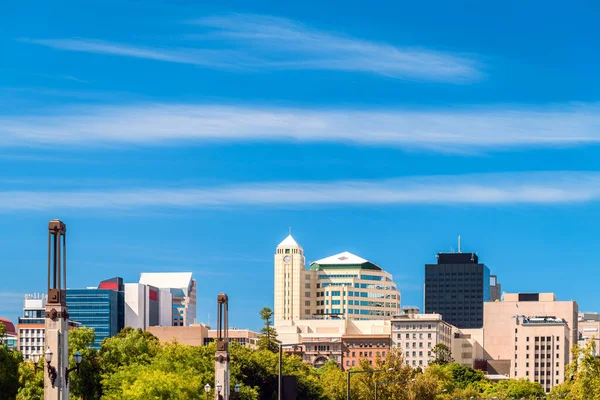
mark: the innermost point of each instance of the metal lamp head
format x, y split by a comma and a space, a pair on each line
48, 355
78, 357
219, 388
237, 387
207, 388
35, 357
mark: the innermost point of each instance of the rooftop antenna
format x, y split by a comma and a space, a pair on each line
290, 231
459, 243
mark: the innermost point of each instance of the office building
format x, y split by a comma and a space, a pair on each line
183, 291
588, 324
417, 334
368, 346
147, 306
9, 339
340, 286
99, 308
528, 335
456, 287
495, 288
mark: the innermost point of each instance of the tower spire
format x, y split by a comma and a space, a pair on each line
459, 243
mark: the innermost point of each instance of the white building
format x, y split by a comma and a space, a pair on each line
183, 291
147, 306
417, 334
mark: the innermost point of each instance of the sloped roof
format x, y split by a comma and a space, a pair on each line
341, 260
10, 327
288, 241
167, 280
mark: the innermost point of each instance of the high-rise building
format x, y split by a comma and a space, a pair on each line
456, 287
418, 334
101, 308
183, 291
147, 306
340, 286
495, 288
532, 334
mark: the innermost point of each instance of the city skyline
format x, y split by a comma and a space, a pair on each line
176, 137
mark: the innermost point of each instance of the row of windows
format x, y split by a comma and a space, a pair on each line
542, 347
368, 354
32, 331
548, 355
412, 326
414, 354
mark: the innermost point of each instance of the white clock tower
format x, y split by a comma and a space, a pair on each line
294, 287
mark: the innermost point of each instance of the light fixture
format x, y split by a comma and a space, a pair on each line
237, 387
219, 388
207, 388
35, 357
48, 355
78, 357
51, 370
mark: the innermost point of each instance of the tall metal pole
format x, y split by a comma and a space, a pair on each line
280, 377
376, 384
348, 386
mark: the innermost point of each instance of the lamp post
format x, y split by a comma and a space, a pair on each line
219, 388
78, 358
207, 390
35, 357
236, 388
279, 375
368, 371
52, 374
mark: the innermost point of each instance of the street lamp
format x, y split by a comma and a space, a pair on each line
368, 371
35, 357
280, 376
219, 388
78, 358
237, 390
51, 370
207, 390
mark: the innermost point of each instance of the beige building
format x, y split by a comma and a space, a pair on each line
320, 340
201, 335
341, 286
417, 334
467, 347
589, 329
512, 326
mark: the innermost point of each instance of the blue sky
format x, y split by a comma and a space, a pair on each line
174, 136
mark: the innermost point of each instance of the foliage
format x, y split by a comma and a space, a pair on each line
268, 334
583, 375
441, 355
134, 365
9, 371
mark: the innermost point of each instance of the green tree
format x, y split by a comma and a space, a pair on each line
463, 376
517, 388
333, 380
31, 383
268, 334
130, 346
441, 355
9, 371
583, 375
84, 384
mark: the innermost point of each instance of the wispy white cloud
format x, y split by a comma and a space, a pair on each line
478, 189
241, 41
453, 129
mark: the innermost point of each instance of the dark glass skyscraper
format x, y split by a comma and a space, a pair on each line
102, 309
456, 288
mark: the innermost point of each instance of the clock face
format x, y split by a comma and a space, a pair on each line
287, 258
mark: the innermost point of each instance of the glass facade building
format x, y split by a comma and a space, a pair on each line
101, 309
456, 287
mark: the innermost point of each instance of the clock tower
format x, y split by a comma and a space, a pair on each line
293, 289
